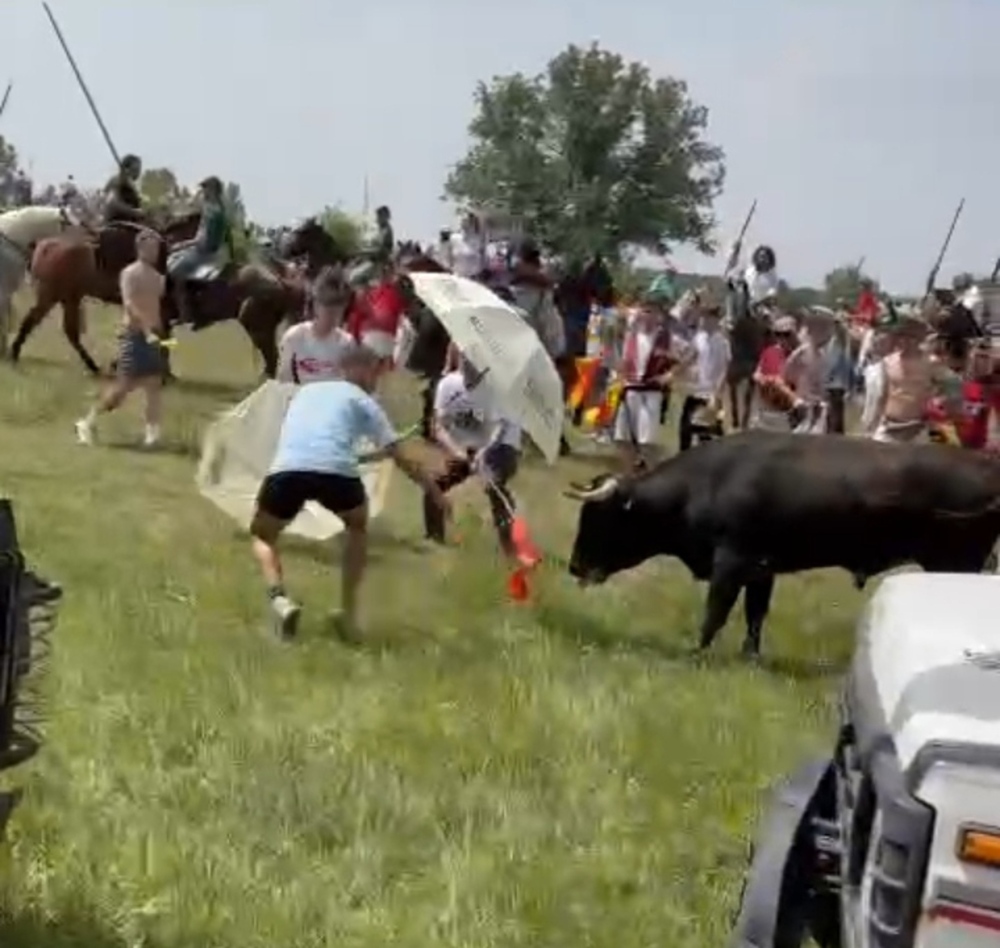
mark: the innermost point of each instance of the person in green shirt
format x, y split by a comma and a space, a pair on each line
212, 239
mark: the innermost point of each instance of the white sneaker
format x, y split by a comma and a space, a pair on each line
285, 617
85, 431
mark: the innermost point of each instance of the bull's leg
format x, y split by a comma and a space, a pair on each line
723, 590
748, 393
756, 605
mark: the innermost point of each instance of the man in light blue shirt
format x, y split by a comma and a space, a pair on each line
317, 459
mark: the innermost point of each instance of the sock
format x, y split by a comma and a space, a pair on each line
152, 432
91, 417
274, 591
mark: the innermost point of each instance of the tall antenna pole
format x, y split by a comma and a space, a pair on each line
365, 199
6, 97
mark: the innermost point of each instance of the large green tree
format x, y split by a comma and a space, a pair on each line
8, 170
594, 154
346, 229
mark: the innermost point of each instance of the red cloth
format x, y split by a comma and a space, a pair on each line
866, 310
973, 425
378, 309
772, 362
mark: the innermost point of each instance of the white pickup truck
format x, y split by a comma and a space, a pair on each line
894, 841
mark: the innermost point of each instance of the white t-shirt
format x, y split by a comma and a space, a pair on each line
466, 257
305, 357
972, 300
761, 286
712, 357
470, 417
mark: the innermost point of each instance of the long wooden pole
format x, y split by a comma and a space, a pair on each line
82, 84
734, 254
932, 276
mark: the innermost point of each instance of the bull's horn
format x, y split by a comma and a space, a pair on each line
600, 491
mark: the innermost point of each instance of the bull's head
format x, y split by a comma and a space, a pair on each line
610, 536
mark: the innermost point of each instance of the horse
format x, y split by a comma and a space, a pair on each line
20, 230
747, 338
311, 241
66, 271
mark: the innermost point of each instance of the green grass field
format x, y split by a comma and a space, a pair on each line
479, 774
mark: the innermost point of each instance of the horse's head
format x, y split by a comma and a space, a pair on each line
311, 240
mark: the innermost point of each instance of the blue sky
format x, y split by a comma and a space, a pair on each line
857, 125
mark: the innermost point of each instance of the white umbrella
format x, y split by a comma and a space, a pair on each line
500, 342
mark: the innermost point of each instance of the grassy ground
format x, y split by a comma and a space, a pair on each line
481, 774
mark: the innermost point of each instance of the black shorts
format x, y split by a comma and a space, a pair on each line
283, 495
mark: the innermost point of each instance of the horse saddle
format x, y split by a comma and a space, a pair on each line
209, 271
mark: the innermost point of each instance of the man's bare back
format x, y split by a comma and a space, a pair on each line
142, 287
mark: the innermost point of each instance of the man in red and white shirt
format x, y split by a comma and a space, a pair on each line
311, 351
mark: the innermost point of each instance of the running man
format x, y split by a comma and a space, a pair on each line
140, 352
317, 460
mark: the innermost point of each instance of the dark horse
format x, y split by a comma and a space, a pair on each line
66, 270
747, 338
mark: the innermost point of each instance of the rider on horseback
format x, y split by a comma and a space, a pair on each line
123, 201
188, 257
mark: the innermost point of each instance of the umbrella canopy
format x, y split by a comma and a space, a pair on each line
237, 452
500, 342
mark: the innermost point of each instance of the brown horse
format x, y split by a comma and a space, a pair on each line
66, 270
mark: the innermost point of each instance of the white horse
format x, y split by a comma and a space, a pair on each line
20, 230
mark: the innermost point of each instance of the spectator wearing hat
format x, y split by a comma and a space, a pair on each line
776, 397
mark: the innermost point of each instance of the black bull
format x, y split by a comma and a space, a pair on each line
741, 510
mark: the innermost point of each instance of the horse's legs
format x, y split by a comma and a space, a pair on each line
260, 320
32, 320
6, 317
72, 324
168, 333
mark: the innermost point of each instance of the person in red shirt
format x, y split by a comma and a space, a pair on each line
376, 312
777, 398
866, 310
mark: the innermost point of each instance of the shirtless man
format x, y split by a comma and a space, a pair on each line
909, 378
140, 356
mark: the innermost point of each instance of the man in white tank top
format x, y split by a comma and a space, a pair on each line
311, 351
